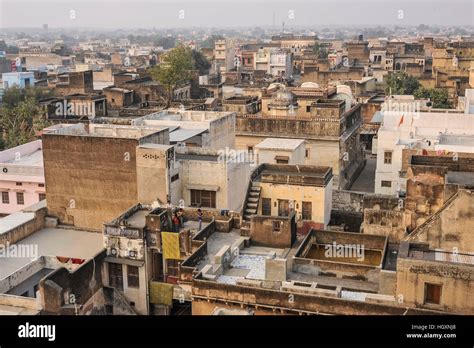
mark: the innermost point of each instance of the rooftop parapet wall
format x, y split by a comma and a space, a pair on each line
22, 224
289, 302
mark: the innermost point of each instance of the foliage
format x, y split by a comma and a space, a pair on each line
201, 62
21, 116
174, 69
401, 83
438, 96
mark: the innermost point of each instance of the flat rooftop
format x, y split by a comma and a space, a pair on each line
450, 139
279, 144
31, 159
103, 130
179, 115
55, 242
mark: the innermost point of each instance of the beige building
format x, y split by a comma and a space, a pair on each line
93, 175
210, 178
281, 151
207, 129
330, 129
282, 190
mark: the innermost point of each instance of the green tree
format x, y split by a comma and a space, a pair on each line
439, 97
21, 116
201, 62
401, 83
174, 69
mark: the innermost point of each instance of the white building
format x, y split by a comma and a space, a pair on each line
417, 130
281, 151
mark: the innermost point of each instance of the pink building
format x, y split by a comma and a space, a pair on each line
21, 177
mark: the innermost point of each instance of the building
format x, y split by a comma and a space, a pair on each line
224, 55
284, 190
211, 178
19, 79
54, 270
330, 128
22, 180
94, 174
281, 151
420, 130
207, 129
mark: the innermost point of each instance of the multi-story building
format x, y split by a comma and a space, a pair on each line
21, 177
330, 128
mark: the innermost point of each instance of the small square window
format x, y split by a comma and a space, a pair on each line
276, 228
432, 293
386, 183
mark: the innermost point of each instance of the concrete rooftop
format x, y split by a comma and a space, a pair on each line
55, 242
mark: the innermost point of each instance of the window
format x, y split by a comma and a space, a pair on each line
432, 293
19, 184
283, 207
20, 198
203, 198
5, 198
306, 211
306, 153
282, 159
173, 267
308, 108
250, 149
266, 206
386, 183
40, 185
276, 226
27, 82
387, 157
116, 275
132, 277
42, 196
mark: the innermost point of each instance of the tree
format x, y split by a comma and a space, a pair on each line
401, 83
439, 97
201, 62
21, 116
174, 69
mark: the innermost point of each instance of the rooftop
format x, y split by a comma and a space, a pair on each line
55, 242
279, 144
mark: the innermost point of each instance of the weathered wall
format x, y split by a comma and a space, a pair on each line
456, 280
263, 233
451, 227
90, 180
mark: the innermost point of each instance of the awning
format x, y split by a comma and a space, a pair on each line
203, 187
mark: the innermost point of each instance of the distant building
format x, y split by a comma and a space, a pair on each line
19, 79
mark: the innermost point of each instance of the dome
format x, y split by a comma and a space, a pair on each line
283, 99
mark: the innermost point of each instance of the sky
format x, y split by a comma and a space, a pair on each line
231, 13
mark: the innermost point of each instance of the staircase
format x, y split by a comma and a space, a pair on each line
253, 197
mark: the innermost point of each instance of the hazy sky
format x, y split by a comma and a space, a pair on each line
228, 13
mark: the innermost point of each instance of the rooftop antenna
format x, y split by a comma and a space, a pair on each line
283, 27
